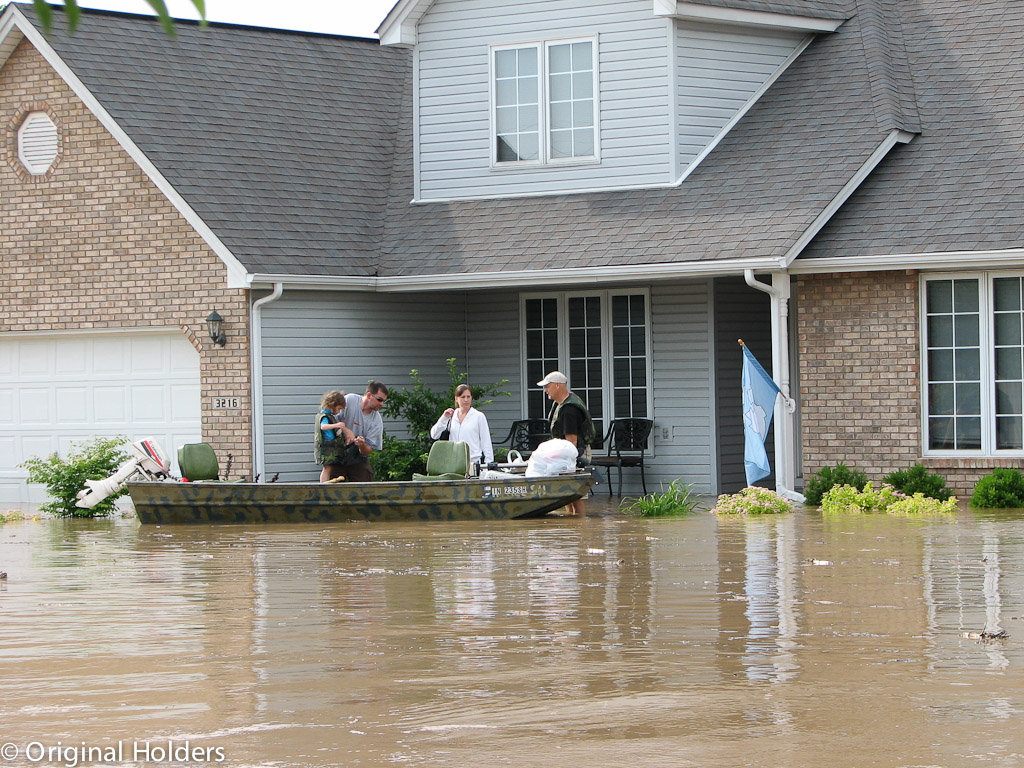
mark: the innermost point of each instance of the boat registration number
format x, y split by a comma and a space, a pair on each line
494, 491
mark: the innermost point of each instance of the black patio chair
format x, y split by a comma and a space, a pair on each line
526, 434
627, 442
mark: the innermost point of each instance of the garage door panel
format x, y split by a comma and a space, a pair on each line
148, 358
57, 392
72, 405
110, 406
7, 361
185, 404
34, 360
9, 452
110, 357
36, 445
35, 406
149, 405
180, 355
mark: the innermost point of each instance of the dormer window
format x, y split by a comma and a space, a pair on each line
37, 143
545, 104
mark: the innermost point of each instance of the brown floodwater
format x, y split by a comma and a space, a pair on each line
797, 640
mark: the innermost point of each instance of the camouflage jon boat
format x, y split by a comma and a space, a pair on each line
475, 499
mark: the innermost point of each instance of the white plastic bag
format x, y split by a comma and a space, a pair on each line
496, 474
552, 457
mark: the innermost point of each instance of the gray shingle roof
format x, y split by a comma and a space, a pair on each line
960, 185
296, 149
281, 141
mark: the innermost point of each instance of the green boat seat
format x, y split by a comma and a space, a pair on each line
197, 461
447, 460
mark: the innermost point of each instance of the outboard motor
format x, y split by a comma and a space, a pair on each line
148, 460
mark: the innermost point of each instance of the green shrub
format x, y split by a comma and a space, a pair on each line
1002, 489
677, 499
420, 408
883, 500
829, 477
399, 459
918, 479
752, 500
94, 459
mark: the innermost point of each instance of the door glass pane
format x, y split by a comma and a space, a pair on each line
630, 348
541, 351
585, 355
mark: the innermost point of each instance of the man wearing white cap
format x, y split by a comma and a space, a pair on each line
570, 420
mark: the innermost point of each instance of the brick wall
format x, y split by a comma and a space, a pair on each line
93, 244
859, 375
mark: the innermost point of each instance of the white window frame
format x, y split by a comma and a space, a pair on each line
544, 159
986, 310
38, 143
607, 360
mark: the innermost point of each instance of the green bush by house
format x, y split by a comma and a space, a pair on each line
90, 460
918, 479
829, 477
1002, 489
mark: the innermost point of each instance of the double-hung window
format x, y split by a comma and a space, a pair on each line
602, 343
974, 364
544, 103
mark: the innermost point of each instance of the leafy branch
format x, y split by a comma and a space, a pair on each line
74, 14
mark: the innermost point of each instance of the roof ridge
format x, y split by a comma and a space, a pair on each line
885, 53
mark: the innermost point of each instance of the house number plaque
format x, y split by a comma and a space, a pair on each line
227, 403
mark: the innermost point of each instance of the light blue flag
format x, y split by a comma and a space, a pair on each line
759, 393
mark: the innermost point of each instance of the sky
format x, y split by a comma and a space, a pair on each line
342, 17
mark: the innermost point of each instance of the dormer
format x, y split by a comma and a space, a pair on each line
568, 96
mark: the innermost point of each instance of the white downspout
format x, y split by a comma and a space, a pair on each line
256, 345
784, 421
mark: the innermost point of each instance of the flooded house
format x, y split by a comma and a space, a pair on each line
619, 189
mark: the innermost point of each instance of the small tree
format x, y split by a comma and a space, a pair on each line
420, 408
74, 14
94, 459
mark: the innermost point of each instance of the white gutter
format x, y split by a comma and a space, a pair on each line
256, 353
636, 273
935, 260
784, 419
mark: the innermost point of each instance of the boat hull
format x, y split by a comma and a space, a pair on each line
215, 502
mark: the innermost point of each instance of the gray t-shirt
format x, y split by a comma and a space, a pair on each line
369, 425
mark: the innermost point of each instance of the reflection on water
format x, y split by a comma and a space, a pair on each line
789, 641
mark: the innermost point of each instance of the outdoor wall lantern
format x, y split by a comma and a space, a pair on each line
213, 323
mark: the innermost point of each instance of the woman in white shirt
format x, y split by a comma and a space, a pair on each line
467, 424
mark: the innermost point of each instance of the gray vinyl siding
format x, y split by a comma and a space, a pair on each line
454, 39
718, 70
494, 354
317, 341
680, 333
741, 312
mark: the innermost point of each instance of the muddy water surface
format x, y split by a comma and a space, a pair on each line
608, 641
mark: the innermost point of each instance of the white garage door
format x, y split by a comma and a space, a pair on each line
59, 390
